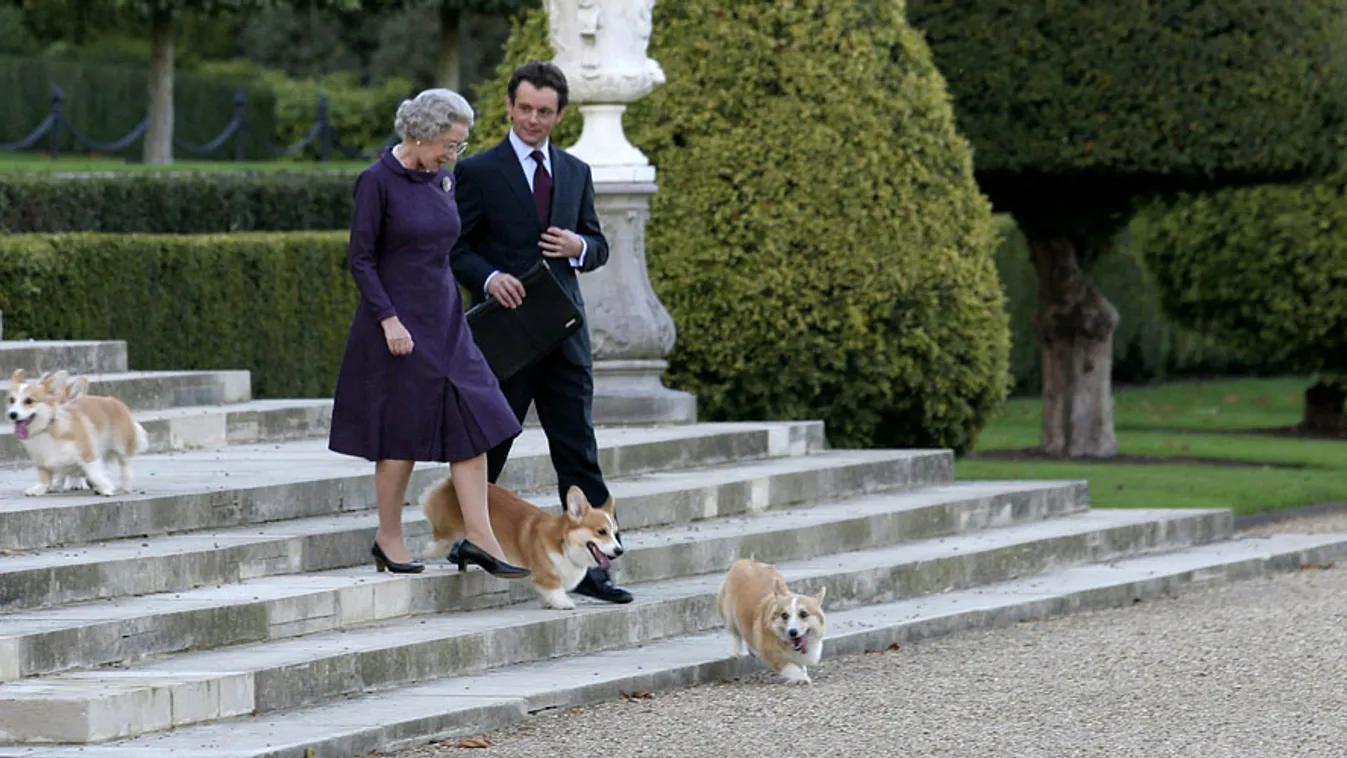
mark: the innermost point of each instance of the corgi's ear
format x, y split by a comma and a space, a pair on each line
16, 378
55, 381
608, 506
78, 386
577, 506
822, 592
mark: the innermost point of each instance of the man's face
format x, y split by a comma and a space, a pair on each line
534, 113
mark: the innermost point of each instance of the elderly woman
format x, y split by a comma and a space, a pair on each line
412, 385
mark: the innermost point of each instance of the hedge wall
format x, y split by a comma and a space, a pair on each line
276, 304
106, 101
177, 202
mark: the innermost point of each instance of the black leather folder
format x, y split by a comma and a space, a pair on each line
512, 339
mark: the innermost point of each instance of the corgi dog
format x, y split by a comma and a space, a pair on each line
557, 548
783, 628
69, 433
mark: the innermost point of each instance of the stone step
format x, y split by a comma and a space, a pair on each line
199, 687
250, 484
37, 357
174, 563
278, 607
210, 426
453, 708
158, 390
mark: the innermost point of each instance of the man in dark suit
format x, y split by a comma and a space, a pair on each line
522, 201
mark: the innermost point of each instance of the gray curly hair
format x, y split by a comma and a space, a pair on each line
426, 116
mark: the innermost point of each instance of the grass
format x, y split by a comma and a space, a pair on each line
1179, 422
38, 163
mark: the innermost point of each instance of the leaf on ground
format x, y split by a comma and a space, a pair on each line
892, 646
637, 695
469, 743
1320, 566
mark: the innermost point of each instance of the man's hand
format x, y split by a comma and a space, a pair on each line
560, 243
508, 290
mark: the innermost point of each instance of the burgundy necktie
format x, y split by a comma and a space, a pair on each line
542, 189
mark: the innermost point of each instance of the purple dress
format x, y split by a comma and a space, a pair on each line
441, 402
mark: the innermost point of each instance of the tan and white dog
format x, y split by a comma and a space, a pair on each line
783, 628
557, 548
69, 433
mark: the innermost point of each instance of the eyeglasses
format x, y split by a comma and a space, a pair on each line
456, 148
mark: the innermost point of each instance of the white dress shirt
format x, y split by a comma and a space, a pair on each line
524, 152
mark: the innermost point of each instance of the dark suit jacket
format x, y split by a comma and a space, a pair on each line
501, 226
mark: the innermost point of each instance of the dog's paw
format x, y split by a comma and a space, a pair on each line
795, 675
106, 490
36, 490
558, 601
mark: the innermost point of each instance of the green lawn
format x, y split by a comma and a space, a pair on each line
1186, 420
29, 163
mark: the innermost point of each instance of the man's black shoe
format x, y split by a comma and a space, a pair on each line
598, 585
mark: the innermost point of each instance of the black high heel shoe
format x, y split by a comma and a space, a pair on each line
381, 563
470, 553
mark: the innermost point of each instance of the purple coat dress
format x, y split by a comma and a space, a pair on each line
441, 402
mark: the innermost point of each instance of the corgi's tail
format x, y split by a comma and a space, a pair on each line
142, 439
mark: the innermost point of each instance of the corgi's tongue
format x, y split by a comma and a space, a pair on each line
21, 429
604, 563
801, 643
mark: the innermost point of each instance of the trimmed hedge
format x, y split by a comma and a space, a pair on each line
106, 101
276, 304
1077, 106
177, 202
859, 290
1262, 268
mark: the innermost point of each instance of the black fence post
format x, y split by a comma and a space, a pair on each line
324, 130
57, 109
241, 118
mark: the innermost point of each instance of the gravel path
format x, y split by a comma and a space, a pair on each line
1254, 669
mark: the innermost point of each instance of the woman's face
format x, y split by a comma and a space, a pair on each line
434, 154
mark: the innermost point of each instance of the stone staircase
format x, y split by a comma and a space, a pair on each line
229, 607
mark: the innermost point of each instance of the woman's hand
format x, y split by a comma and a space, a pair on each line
399, 339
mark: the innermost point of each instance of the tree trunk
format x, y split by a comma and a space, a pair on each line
159, 136
1075, 325
1325, 409
449, 68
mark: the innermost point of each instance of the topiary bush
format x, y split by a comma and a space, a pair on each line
818, 237
1077, 109
1265, 270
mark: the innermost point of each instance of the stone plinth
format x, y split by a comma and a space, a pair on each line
629, 328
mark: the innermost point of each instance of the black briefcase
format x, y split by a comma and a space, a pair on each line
512, 339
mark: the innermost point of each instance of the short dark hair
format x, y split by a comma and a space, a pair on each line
540, 74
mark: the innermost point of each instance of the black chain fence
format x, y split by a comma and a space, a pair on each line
237, 131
